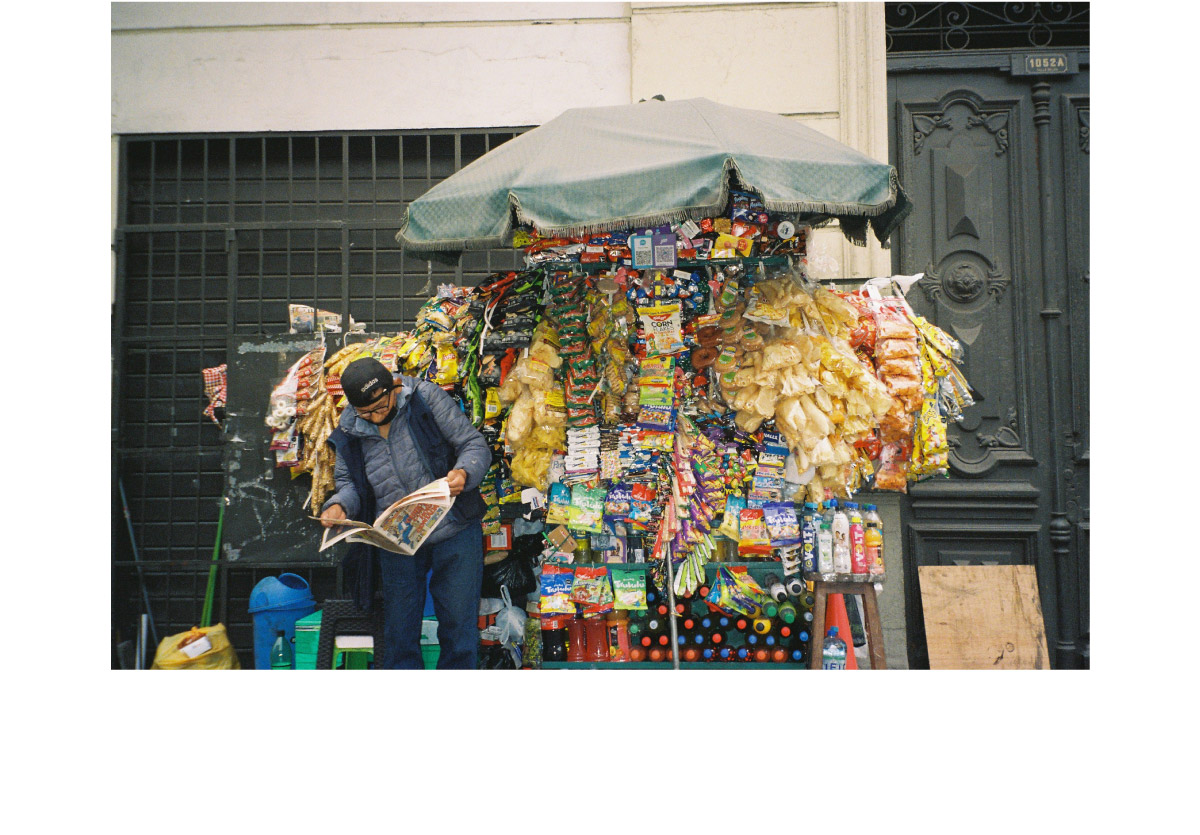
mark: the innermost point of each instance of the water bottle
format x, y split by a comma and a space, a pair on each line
825, 549
841, 542
281, 652
833, 653
873, 539
858, 552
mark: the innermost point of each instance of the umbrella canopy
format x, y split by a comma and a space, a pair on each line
602, 168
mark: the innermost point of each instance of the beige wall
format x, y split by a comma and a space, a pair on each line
822, 64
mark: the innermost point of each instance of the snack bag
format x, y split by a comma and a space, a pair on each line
555, 597
629, 589
587, 509
591, 589
782, 525
753, 540
559, 504
664, 329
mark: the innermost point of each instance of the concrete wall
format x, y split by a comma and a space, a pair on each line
225, 67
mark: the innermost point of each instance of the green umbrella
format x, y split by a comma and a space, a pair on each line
601, 168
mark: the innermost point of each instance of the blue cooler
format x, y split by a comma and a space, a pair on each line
277, 603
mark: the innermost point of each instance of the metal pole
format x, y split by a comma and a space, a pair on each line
141, 647
671, 604
137, 558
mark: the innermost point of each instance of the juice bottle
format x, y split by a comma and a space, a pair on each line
873, 539
858, 553
841, 541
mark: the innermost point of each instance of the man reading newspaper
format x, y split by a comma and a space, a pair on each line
399, 435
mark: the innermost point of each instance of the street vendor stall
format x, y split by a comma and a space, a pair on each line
681, 418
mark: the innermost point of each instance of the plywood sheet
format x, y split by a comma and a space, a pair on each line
983, 617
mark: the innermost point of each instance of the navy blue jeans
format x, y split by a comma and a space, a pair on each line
457, 574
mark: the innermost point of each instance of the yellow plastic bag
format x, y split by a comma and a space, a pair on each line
220, 656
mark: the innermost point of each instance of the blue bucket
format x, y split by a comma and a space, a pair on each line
277, 603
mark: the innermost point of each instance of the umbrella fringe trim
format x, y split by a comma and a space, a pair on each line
845, 213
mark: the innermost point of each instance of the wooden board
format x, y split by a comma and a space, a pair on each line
983, 617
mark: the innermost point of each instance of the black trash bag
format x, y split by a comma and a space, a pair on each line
496, 657
518, 570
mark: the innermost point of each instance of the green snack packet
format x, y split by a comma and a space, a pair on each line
629, 588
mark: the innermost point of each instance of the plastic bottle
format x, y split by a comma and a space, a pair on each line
858, 552
795, 585
825, 548
808, 538
787, 612
833, 654
775, 587
841, 541
281, 652
873, 539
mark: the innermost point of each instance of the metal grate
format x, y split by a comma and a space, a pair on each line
954, 27
217, 235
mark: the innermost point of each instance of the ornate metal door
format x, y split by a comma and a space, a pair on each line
992, 146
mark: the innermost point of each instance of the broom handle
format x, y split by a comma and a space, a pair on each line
206, 615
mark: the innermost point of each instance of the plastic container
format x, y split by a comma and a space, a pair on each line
308, 636
808, 537
596, 635
281, 652
825, 548
873, 539
833, 653
858, 551
576, 642
276, 603
841, 541
618, 636
554, 639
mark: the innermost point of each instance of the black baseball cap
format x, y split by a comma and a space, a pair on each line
366, 380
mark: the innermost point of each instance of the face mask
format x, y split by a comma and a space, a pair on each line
386, 419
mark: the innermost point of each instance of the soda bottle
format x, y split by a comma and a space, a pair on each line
873, 539
762, 625
775, 588
808, 538
770, 608
795, 585
281, 652
858, 552
787, 612
833, 654
825, 548
726, 653
841, 541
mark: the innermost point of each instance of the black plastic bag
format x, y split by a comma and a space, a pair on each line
517, 571
496, 657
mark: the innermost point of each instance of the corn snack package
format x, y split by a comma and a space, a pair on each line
556, 584
629, 589
782, 525
586, 513
591, 589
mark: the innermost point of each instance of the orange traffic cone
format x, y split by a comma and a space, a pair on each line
835, 615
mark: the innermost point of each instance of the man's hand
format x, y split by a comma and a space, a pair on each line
333, 513
457, 479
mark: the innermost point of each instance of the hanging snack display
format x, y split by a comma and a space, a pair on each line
669, 392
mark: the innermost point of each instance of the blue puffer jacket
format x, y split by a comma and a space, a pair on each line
394, 466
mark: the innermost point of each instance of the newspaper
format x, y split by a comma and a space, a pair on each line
404, 526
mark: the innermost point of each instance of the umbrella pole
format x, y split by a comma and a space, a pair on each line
671, 603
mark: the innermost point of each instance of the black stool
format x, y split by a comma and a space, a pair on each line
342, 617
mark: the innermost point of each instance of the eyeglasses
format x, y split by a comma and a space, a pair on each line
382, 407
